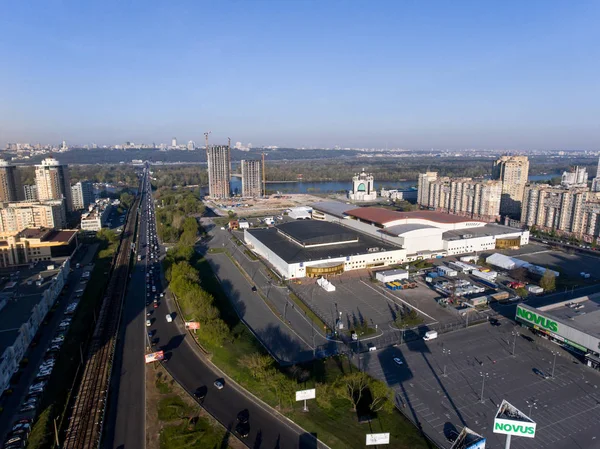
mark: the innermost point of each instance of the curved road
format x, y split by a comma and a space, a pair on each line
187, 364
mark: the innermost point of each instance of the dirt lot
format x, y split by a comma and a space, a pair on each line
272, 204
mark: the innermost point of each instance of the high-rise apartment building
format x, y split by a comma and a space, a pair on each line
479, 200
191, 145
576, 177
53, 182
82, 194
513, 171
14, 217
31, 193
572, 211
219, 171
10, 184
251, 179
596, 180
425, 179
173, 142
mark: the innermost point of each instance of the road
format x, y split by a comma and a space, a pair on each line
126, 424
189, 367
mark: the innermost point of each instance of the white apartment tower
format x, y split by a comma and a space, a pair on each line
82, 195
251, 179
53, 182
219, 171
513, 171
425, 180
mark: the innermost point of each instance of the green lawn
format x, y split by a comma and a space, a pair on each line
198, 434
172, 408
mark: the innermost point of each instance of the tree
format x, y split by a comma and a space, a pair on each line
257, 364
126, 199
382, 397
548, 281
351, 386
325, 394
520, 274
107, 235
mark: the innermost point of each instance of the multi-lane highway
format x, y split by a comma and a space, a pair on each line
186, 364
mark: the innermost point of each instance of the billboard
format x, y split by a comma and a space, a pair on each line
537, 319
378, 438
303, 395
155, 356
511, 421
469, 439
192, 325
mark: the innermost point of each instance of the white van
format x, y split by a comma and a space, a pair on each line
430, 335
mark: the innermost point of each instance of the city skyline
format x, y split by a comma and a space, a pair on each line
403, 75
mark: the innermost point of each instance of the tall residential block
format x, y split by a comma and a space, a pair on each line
219, 171
10, 184
31, 193
513, 171
572, 211
596, 180
251, 178
14, 217
425, 180
82, 194
53, 182
466, 197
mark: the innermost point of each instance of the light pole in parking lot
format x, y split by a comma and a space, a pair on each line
531, 404
445, 352
554, 353
483, 377
515, 334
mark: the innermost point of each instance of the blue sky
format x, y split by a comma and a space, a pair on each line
410, 74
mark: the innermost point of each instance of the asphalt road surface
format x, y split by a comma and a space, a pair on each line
126, 415
188, 366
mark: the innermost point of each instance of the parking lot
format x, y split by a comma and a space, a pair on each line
441, 384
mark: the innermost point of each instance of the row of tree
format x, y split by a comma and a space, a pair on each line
176, 216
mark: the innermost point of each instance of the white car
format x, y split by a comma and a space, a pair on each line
169, 318
148, 323
398, 361
218, 384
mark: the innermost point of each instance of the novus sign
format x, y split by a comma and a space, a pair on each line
518, 428
534, 318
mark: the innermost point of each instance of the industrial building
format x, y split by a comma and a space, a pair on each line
251, 178
53, 182
82, 194
513, 171
15, 217
34, 245
574, 324
219, 171
10, 183
317, 248
25, 299
423, 234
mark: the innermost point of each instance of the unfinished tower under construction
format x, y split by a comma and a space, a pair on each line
219, 171
251, 178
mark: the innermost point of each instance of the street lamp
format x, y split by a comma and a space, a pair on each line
483, 377
554, 353
515, 334
531, 404
445, 352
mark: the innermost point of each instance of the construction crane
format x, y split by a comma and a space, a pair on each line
264, 176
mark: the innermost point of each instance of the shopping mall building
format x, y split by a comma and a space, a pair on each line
574, 324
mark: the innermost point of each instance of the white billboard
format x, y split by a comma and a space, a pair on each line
303, 395
509, 420
378, 438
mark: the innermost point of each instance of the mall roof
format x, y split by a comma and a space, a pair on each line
483, 231
292, 252
316, 232
334, 208
585, 319
382, 216
398, 230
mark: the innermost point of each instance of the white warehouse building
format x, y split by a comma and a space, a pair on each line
313, 248
423, 234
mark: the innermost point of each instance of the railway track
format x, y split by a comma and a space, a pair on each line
87, 415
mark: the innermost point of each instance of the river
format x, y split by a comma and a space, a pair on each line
335, 186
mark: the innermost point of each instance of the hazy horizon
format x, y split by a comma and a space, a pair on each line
412, 75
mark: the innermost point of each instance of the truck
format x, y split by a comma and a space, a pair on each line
500, 296
515, 285
447, 271
430, 335
535, 289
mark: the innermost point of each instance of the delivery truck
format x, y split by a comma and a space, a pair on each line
430, 335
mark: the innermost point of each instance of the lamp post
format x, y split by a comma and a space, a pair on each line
554, 353
483, 377
531, 404
445, 352
515, 334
